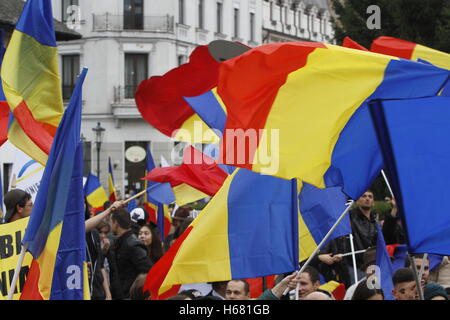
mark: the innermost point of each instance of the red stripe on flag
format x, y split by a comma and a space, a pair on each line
40, 133
112, 197
249, 86
4, 117
30, 289
159, 271
151, 212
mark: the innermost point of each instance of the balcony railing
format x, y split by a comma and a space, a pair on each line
112, 22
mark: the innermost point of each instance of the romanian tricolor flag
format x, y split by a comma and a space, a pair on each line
337, 289
199, 176
160, 98
300, 110
31, 81
111, 188
410, 50
94, 193
248, 230
319, 210
55, 235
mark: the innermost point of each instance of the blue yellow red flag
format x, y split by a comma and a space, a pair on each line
31, 81
413, 134
94, 192
55, 233
249, 229
279, 122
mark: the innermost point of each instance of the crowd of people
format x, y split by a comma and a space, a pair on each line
123, 246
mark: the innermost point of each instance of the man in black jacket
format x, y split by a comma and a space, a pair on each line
129, 254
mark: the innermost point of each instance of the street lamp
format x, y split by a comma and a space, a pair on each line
99, 130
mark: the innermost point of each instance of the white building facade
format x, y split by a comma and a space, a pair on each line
126, 41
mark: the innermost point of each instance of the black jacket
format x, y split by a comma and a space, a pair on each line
130, 258
393, 233
96, 259
364, 232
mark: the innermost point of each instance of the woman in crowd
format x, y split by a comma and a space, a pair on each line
149, 235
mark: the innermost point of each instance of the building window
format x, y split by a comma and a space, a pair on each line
70, 71
236, 22
133, 17
182, 59
65, 5
252, 26
136, 70
181, 11
219, 17
201, 14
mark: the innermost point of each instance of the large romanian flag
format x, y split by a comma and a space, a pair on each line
55, 234
31, 81
300, 110
410, 50
249, 229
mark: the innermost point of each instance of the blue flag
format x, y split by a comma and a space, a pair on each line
55, 235
414, 137
383, 261
319, 210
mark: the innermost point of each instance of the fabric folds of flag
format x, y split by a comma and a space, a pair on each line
160, 98
249, 229
94, 193
4, 108
413, 134
383, 261
410, 50
279, 122
31, 81
350, 43
319, 211
150, 207
111, 187
55, 232
198, 176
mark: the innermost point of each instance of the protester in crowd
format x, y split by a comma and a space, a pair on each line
364, 229
138, 218
418, 259
441, 274
369, 259
18, 205
393, 231
330, 263
237, 290
404, 285
98, 278
364, 292
129, 253
136, 289
309, 281
434, 291
192, 293
318, 295
219, 289
93, 222
149, 236
181, 214
277, 292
